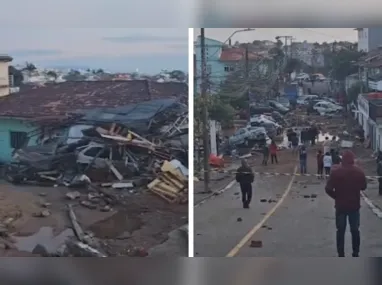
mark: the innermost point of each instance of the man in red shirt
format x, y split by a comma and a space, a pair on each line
345, 183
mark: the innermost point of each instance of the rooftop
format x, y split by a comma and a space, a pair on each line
5, 58
60, 99
375, 98
237, 54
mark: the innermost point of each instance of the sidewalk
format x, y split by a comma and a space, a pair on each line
217, 182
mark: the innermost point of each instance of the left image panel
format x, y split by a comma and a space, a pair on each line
94, 142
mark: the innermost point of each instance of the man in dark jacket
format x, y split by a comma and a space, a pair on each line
265, 154
345, 183
245, 177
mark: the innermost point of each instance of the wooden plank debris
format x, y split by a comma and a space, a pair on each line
170, 184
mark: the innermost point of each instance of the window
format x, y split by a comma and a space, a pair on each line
18, 139
228, 68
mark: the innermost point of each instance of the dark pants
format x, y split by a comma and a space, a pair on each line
313, 141
274, 158
303, 166
354, 220
327, 170
265, 159
320, 170
380, 185
246, 193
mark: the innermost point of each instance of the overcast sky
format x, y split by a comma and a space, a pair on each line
49, 33
149, 50
311, 34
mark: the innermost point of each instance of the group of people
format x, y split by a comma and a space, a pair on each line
307, 135
270, 150
344, 184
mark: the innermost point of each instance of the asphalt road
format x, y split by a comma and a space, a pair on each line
299, 227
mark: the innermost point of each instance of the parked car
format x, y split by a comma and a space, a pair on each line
247, 135
272, 128
284, 101
278, 106
324, 107
318, 77
303, 76
260, 109
305, 99
278, 118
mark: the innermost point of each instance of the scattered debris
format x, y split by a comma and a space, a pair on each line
170, 184
256, 243
239, 219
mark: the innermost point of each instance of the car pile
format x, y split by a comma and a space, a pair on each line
266, 122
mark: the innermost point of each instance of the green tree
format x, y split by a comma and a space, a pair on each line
292, 65
218, 110
178, 75
53, 74
29, 66
354, 91
341, 63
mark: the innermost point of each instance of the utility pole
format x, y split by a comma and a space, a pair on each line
197, 127
206, 147
286, 38
247, 79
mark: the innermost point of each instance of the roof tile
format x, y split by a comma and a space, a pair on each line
63, 98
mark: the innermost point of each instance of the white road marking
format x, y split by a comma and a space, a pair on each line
374, 208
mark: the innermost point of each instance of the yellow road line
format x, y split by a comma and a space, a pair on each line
249, 235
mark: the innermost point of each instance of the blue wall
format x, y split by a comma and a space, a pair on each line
15, 125
214, 66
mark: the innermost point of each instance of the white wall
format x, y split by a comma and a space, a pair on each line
363, 39
363, 107
4, 79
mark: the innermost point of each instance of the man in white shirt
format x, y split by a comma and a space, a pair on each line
327, 145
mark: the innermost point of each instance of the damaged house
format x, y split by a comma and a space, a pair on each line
137, 113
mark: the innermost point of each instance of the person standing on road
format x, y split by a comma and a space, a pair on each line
327, 145
327, 163
265, 154
345, 185
379, 173
273, 151
294, 144
320, 164
245, 176
303, 159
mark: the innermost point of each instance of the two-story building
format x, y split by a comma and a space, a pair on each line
5, 83
369, 38
221, 60
370, 118
214, 68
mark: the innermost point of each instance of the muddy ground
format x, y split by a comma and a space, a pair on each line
143, 221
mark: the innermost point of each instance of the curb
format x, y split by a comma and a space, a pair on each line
215, 193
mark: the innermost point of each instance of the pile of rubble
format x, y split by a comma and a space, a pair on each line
106, 152
104, 164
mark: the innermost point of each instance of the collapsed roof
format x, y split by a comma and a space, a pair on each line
61, 99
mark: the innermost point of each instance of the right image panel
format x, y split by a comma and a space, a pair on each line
288, 159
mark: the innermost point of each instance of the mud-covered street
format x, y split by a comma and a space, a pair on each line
142, 222
290, 215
